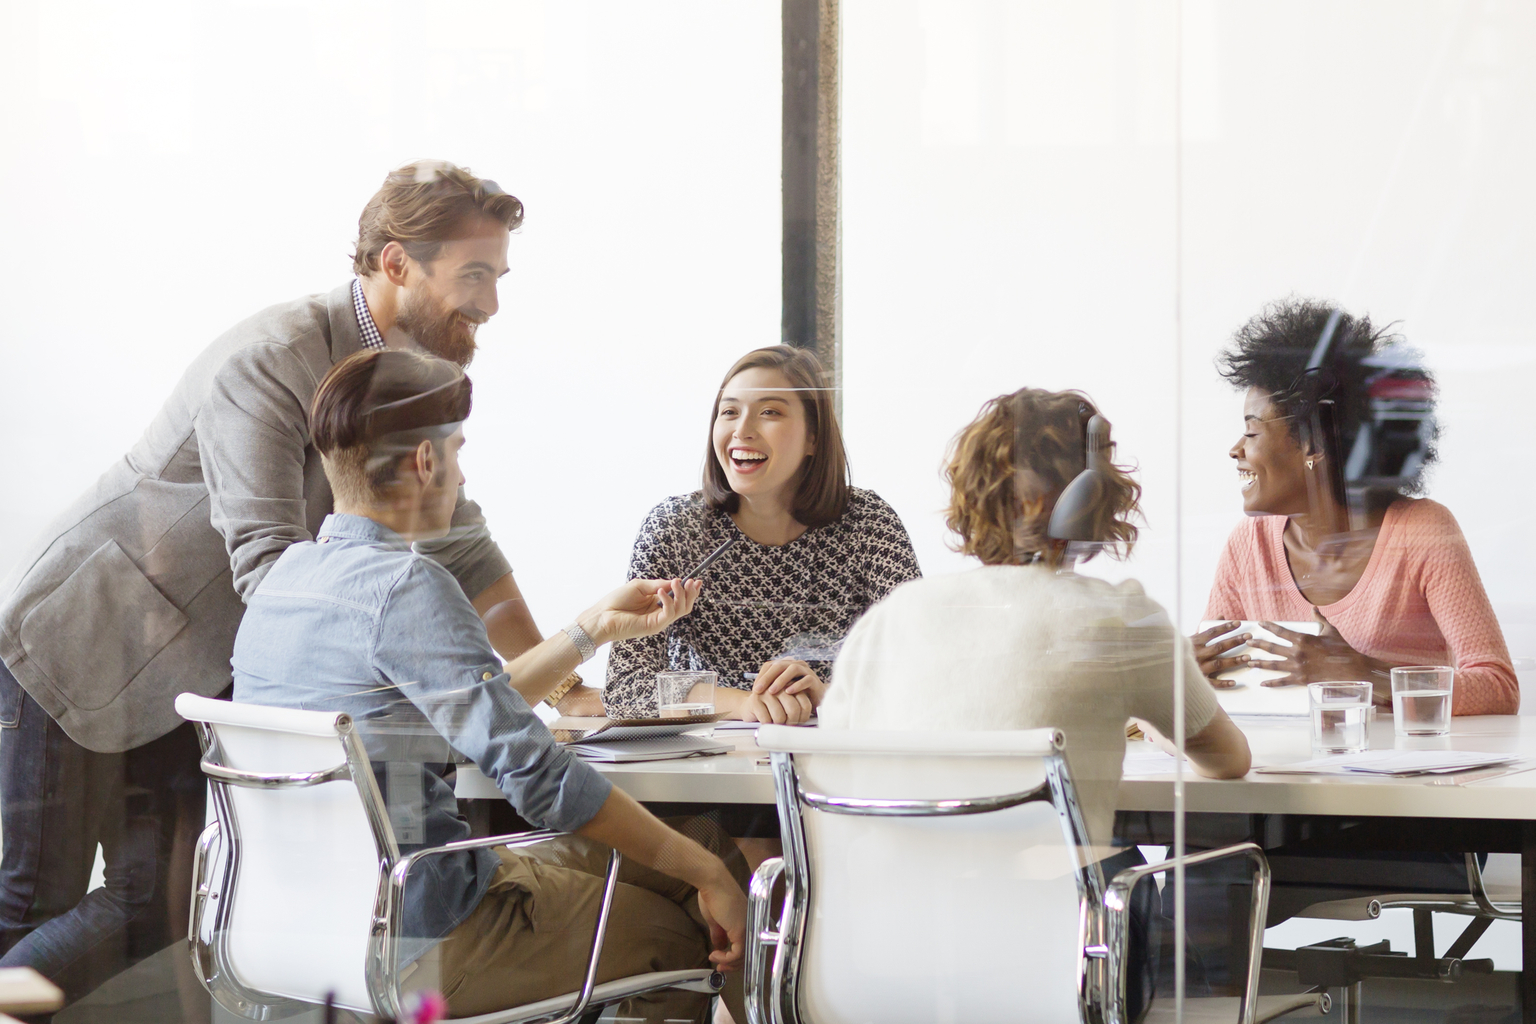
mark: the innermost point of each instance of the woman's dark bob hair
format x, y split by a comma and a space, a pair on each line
821, 495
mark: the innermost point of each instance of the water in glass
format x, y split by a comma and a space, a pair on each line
1422, 712
1339, 730
1421, 699
686, 709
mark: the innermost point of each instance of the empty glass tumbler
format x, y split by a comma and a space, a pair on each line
1341, 714
1421, 700
685, 694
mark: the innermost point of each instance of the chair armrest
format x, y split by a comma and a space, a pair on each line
514, 840
202, 890
1117, 915
1480, 893
394, 909
759, 938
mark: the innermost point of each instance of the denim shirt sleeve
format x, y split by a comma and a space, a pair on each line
433, 648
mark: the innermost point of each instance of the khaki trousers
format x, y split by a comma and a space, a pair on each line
530, 936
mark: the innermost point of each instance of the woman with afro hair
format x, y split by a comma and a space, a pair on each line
1337, 432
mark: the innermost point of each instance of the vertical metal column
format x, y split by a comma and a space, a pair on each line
812, 285
1528, 920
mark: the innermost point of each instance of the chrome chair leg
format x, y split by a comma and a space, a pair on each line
1350, 998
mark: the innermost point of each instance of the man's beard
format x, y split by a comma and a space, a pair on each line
449, 334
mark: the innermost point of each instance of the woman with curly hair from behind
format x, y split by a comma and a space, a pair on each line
1023, 641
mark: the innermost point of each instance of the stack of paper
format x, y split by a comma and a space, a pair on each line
650, 748
733, 724
626, 740
1394, 763
1251, 699
1140, 763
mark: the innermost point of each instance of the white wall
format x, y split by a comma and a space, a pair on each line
172, 167
1011, 219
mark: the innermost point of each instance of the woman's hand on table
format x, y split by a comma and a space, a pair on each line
774, 708
1323, 658
1212, 654
788, 675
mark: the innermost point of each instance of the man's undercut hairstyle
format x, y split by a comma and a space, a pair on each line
1272, 352
374, 408
822, 492
1028, 446
424, 204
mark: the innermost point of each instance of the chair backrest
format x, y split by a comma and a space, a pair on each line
302, 859
912, 912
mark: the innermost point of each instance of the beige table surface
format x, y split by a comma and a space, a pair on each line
743, 777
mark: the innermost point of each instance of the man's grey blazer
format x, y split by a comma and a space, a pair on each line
135, 593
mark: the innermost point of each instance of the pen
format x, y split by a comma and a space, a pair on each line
709, 559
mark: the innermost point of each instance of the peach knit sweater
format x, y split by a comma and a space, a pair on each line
1419, 601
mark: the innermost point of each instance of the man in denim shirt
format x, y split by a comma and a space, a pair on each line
357, 622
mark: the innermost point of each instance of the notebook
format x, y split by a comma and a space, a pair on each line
647, 748
606, 730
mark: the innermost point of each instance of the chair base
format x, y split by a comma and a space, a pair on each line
1224, 1009
1366, 908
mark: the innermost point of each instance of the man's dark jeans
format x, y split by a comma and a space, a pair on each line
58, 800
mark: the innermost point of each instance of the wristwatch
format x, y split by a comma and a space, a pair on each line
568, 684
582, 641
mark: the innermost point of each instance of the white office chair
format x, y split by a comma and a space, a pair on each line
307, 899
944, 876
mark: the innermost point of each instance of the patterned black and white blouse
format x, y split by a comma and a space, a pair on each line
759, 602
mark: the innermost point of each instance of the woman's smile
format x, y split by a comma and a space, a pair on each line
747, 460
1270, 463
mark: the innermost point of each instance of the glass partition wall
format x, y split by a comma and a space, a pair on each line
1371, 159
175, 168
1281, 251
1311, 215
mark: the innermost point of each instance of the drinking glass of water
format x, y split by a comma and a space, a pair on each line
1421, 700
685, 694
1340, 717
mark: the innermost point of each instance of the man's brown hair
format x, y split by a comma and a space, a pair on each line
424, 204
375, 407
822, 494
1028, 446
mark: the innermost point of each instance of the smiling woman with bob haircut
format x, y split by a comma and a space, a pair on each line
811, 552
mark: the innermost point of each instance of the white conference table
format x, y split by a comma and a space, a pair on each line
743, 777
1492, 810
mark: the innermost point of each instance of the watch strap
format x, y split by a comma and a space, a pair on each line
582, 641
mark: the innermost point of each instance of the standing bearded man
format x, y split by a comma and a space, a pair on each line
135, 593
